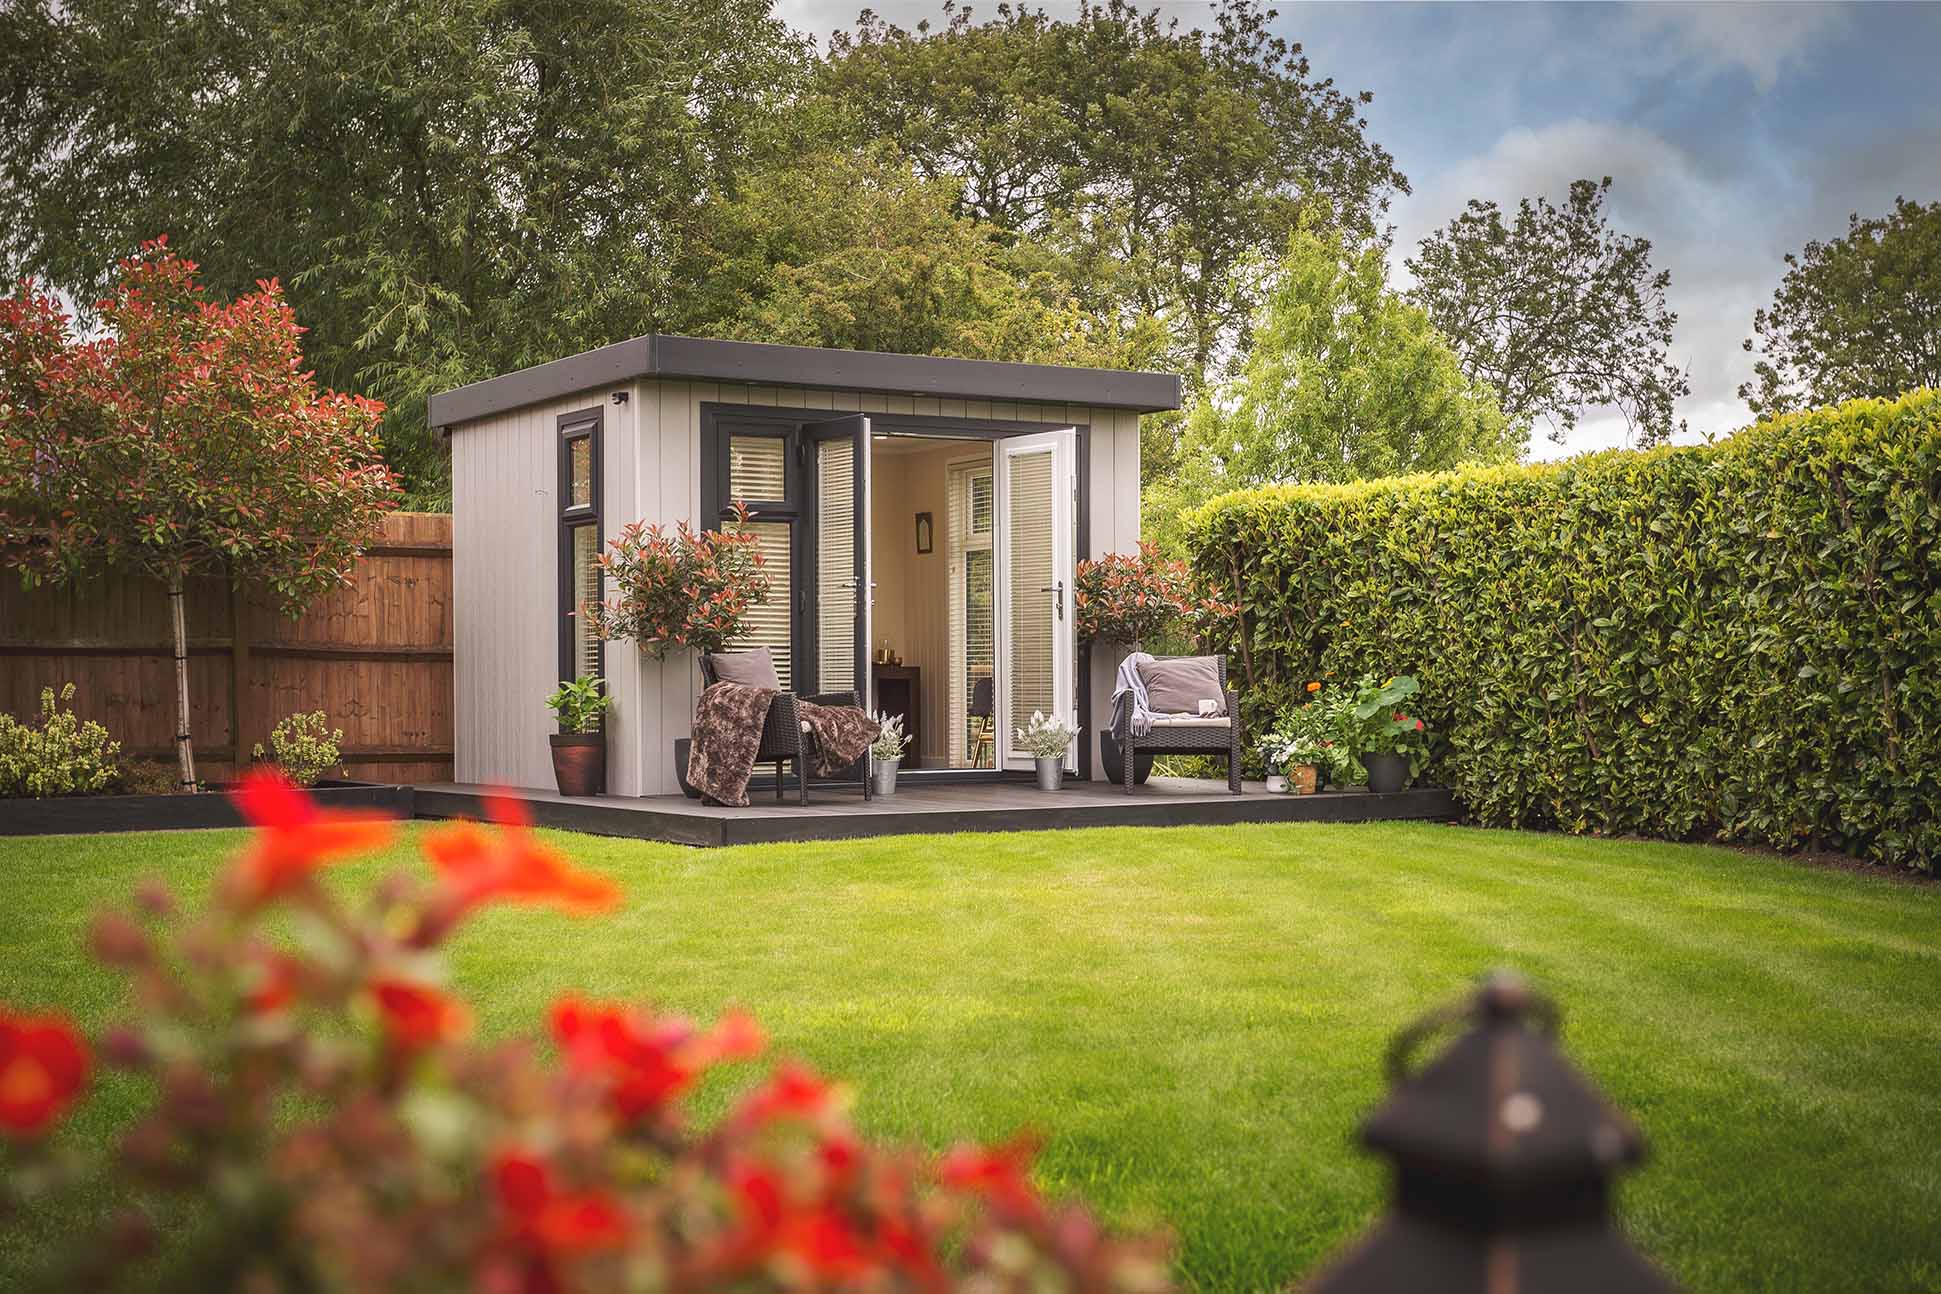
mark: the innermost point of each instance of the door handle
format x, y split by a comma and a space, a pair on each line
1057, 602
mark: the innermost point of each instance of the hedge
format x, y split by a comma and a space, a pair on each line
1739, 640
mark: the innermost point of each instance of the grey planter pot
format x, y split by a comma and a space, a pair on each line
1386, 772
1110, 753
1051, 773
883, 773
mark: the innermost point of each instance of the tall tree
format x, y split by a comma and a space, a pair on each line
854, 249
450, 188
1346, 380
1157, 159
1556, 310
1856, 316
187, 440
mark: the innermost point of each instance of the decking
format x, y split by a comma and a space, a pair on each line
841, 813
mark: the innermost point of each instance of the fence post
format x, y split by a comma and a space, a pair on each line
1504, 1158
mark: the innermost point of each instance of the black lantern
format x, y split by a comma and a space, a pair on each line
1504, 1158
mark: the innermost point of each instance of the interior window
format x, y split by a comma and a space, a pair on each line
579, 517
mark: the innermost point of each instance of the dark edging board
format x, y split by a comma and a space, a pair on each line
774, 826
83, 814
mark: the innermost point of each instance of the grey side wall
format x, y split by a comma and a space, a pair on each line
505, 562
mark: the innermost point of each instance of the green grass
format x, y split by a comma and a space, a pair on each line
1194, 1018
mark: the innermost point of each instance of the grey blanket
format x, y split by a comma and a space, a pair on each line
1130, 704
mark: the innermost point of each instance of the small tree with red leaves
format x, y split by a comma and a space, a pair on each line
187, 439
319, 1118
688, 589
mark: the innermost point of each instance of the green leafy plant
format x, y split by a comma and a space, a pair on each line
581, 705
688, 589
1382, 727
1046, 737
1143, 598
61, 755
891, 741
303, 745
1732, 641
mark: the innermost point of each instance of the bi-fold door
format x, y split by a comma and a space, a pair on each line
1034, 541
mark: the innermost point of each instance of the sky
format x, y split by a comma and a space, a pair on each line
1733, 133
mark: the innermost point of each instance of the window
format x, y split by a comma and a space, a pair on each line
758, 479
581, 539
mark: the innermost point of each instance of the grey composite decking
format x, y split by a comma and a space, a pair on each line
834, 813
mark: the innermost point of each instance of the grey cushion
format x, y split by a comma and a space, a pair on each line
754, 668
1178, 686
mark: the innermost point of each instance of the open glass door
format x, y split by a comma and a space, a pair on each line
1036, 539
839, 458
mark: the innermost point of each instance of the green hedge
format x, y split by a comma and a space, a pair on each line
1740, 640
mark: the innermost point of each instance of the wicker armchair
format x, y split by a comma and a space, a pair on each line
786, 739
1190, 737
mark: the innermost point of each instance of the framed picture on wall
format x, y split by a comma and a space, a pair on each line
923, 532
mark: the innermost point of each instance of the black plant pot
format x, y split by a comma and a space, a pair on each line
1386, 772
580, 762
682, 745
1113, 763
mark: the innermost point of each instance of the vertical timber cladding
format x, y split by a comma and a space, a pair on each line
375, 655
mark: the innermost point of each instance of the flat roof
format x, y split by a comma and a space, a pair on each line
660, 355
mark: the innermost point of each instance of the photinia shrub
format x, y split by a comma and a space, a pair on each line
1144, 597
689, 589
188, 438
320, 1117
1738, 640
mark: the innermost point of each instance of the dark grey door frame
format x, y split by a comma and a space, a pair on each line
764, 419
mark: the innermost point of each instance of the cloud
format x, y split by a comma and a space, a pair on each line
1761, 40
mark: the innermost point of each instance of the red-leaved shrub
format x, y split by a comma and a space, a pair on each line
320, 1117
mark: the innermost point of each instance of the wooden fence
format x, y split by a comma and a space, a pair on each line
375, 655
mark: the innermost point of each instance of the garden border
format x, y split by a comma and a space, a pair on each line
88, 814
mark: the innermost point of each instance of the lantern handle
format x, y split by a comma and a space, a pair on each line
1502, 997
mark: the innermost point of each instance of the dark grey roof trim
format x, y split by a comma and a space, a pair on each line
658, 355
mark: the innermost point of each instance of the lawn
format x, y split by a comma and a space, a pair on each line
1194, 1018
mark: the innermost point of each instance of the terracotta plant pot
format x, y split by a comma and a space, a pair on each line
1301, 778
1386, 772
580, 762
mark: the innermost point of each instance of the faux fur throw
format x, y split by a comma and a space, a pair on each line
728, 723
842, 734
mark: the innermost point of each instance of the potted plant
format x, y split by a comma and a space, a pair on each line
1275, 749
580, 745
1392, 743
886, 752
1047, 739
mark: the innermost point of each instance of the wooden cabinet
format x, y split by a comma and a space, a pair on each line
899, 690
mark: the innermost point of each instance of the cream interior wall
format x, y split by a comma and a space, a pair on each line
505, 561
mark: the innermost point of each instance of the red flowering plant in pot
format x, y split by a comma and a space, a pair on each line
1394, 744
318, 1115
683, 590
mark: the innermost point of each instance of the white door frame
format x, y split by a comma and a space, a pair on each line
1063, 447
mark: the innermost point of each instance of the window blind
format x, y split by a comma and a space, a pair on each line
1030, 541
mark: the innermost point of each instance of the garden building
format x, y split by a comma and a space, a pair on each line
920, 519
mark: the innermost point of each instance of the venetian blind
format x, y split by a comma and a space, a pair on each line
836, 563
758, 469
767, 624
1030, 543
587, 656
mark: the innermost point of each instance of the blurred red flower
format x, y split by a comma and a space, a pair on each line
417, 1016
294, 836
478, 865
43, 1067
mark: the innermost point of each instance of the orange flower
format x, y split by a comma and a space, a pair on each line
1314, 687
293, 837
479, 865
416, 1016
43, 1067
997, 1173
647, 1061
542, 1218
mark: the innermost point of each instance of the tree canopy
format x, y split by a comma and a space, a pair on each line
1854, 316
1346, 379
1556, 310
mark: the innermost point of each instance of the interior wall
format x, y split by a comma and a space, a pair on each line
912, 590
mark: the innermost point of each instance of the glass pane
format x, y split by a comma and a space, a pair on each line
1030, 576
768, 622
579, 454
980, 504
979, 635
836, 564
758, 469
587, 656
